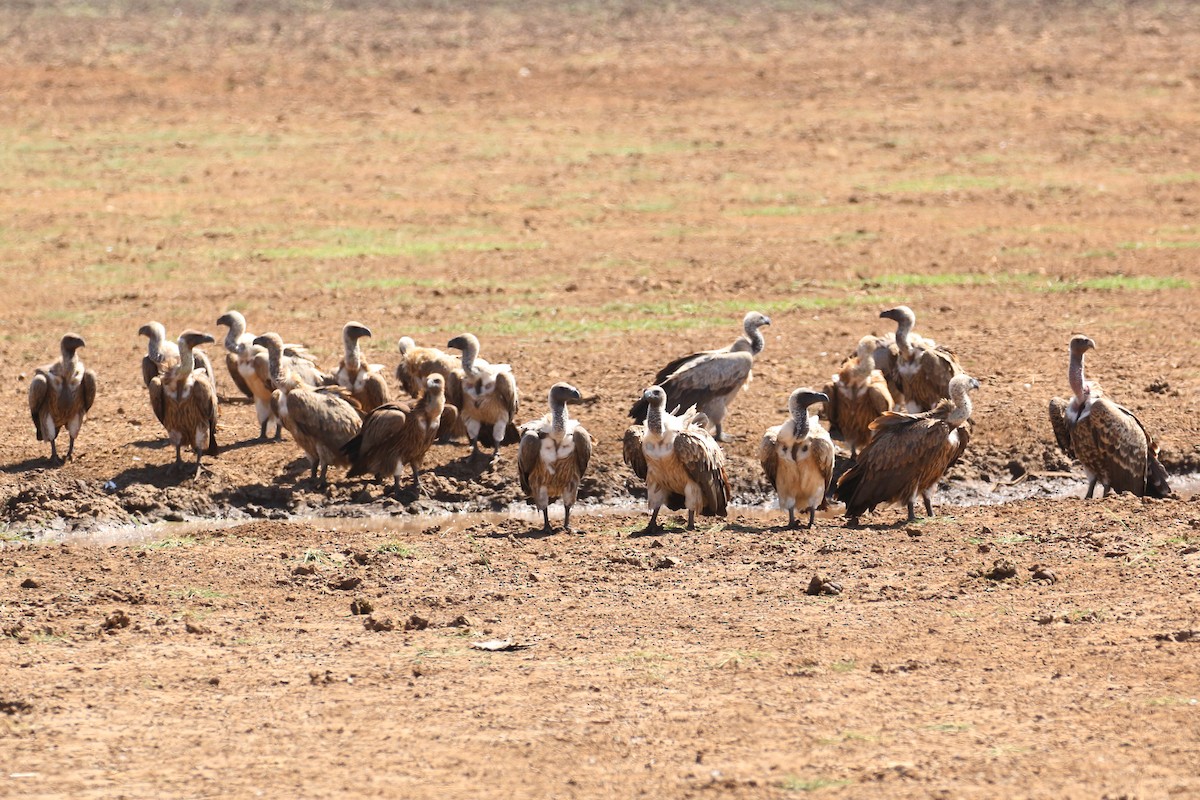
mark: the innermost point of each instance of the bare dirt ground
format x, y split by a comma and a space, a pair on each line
593, 190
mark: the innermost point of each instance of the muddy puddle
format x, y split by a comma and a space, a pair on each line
954, 494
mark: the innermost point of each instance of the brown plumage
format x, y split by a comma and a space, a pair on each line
320, 419
925, 367
554, 455
682, 464
185, 402
399, 434
60, 395
908, 454
364, 381
797, 457
1110, 442
417, 364
162, 354
857, 395
710, 380
489, 397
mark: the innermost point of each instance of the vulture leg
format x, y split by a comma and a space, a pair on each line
691, 520
912, 512
792, 518
178, 458
262, 431
54, 453
1088, 496
396, 486
199, 466
70, 450
546, 527
653, 526
812, 517
324, 482
313, 474
928, 506
721, 435
567, 519
421, 490
278, 431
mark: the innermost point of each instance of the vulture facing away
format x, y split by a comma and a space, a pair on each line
925, 368
682, 464
489, 397
857, 395
185, 402
60, 396
554, 455
1110, 442
365, 381
162, 354
395, 435
710, 380
321, 419
908, 454
797, 457
417, 364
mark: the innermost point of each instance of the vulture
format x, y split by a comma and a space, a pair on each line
321, 419
417, 364
395, 435
682, 464
710, 380
161, 354
489, 397
60, 395
924, 367
1111, 443
365, 381
185, 402
797, 457
908, 454
858, 394
554, 455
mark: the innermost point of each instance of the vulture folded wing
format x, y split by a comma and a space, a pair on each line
375, 390
38, 390
158, 400
448, 421
583, 449
527, 458
149, 369
1062, 428
822, 454
768, 454
1156, 473
631, 449
712, 375
701, 459
231, 363
87, 388
674, 366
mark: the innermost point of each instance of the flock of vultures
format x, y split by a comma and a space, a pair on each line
901, 404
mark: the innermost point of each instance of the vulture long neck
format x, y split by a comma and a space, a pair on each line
904, 326
187, 361
866, 362
558, 417
470, 351
353, 357
1075, 378
155, 347
237, 326
799, 421
68, 359
654, 419
962, 408
757, 342
281, 374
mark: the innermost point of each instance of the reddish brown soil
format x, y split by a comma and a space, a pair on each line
594, 191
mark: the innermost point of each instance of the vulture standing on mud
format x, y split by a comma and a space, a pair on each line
321, 419
925, 368
185, 402
395, 435
857, 395
489, 397
554, 455
417, 364
908, 454
250, 370
1111, 443
162, 354
682, 464
365, 381
60, 395
798, 457
710, 380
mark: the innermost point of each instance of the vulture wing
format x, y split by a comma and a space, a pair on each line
712, 375
158, 400
702, 460
149, 369
231, 363
583, 449
768, 453
631, 449
38, 391
1062, 428
87, 388
527, 457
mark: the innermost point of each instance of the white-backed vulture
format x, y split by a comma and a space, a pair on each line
682, 464
321, 419
554, 455
489, 397
253, 370
395, 435
365, 381
797, 457
1113, 446
925, 367
908, 454
710, 380
857, 395
162, 354
185, 402
417, 364
60, 395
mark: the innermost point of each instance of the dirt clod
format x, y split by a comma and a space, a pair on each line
821, 585
30, 583
116, 620
1001, 570
360, 606
379, 624
416, 623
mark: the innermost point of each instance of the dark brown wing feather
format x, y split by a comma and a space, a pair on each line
527, 458
768, 454
583, 450
231, 364
1062, 428
87, 389
702, 459
631, 449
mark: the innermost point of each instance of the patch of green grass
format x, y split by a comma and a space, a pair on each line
329, 252
650, 206
1013, 538
1098, 254
792, 783
1159, 702
949, 727
1027, 281
397, 549
737, 659
854, 237
315, 556
1179, 177
803, 211
1161, 244
843, 666
948, 183
198, 592
170, 543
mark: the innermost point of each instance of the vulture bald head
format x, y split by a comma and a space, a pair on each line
353, 331
466, 342
233, 320
435, 384
270, 340
70, 343
154, 331
1080, 344
194, 338
564, 393
902, 315
802, 398
656, 397
755, 320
